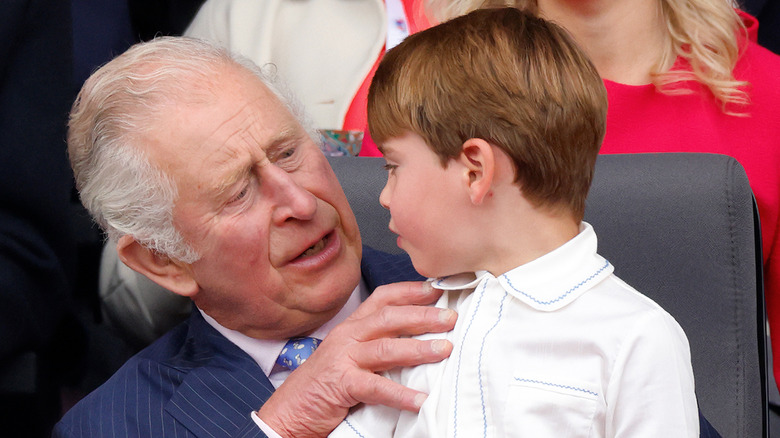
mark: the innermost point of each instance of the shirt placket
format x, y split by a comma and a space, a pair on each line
471, 410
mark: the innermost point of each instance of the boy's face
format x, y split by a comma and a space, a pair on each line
425, 199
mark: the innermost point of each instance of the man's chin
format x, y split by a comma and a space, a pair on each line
335, 289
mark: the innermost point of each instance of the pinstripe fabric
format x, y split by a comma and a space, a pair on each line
382, 268
193, 382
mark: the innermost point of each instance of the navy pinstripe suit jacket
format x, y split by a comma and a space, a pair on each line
193, 382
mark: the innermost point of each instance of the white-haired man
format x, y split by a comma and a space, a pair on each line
198, 166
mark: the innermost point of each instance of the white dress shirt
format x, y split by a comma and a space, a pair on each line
558, 347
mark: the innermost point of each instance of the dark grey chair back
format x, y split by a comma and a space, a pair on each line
680, 228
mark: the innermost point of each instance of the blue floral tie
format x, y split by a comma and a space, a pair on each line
296, 351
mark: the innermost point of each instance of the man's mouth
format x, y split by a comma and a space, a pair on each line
317, 247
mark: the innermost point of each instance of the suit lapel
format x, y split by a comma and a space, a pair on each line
382, 268
223, 385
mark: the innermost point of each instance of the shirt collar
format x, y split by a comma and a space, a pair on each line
551, 281
265, 351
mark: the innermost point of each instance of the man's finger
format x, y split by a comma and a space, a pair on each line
374, 389
384, 354
399, 294
394, 321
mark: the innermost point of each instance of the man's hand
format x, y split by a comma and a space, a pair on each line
342, 371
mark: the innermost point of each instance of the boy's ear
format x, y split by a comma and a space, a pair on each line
168, 273
479, 161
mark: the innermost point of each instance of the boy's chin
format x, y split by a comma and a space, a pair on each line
429, 271
424, 269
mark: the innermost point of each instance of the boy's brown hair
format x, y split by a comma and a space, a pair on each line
507, 77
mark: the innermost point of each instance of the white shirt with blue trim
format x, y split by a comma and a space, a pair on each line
558, 347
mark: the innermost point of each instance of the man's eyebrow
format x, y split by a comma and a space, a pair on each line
282, 138
232, 179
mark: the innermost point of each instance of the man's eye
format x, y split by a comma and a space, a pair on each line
241, 195
390, 167
286, 153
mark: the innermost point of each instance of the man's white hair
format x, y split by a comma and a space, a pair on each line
124, 192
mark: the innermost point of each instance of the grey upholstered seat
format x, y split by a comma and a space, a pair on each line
678, 227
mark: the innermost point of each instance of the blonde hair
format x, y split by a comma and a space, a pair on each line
507, 77
706, 34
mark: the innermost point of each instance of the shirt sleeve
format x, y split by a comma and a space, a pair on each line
651, 391
264, 427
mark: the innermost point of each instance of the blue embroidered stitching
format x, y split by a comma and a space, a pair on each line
460, 356
547, 303
353, 429
479, 363
573, 388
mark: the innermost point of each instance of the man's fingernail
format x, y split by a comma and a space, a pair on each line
439, 346
447, 315
427, 287
419, 399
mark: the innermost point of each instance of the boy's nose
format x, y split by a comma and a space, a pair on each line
384, 196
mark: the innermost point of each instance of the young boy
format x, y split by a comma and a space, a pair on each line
490, 125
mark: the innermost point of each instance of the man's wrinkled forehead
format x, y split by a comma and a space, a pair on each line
244, 124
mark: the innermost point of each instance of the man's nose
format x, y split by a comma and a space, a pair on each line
291, 200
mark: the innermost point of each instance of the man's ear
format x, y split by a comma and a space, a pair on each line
479, 162
170, 274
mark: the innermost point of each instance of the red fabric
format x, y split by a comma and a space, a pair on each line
356, 115
356, 118
640, 119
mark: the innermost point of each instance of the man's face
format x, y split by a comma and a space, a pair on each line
280, 248
425, 201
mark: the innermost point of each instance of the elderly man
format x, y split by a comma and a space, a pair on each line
198, 166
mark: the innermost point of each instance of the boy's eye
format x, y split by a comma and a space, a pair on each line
390, 167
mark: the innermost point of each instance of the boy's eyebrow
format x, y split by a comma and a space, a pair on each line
384, 150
